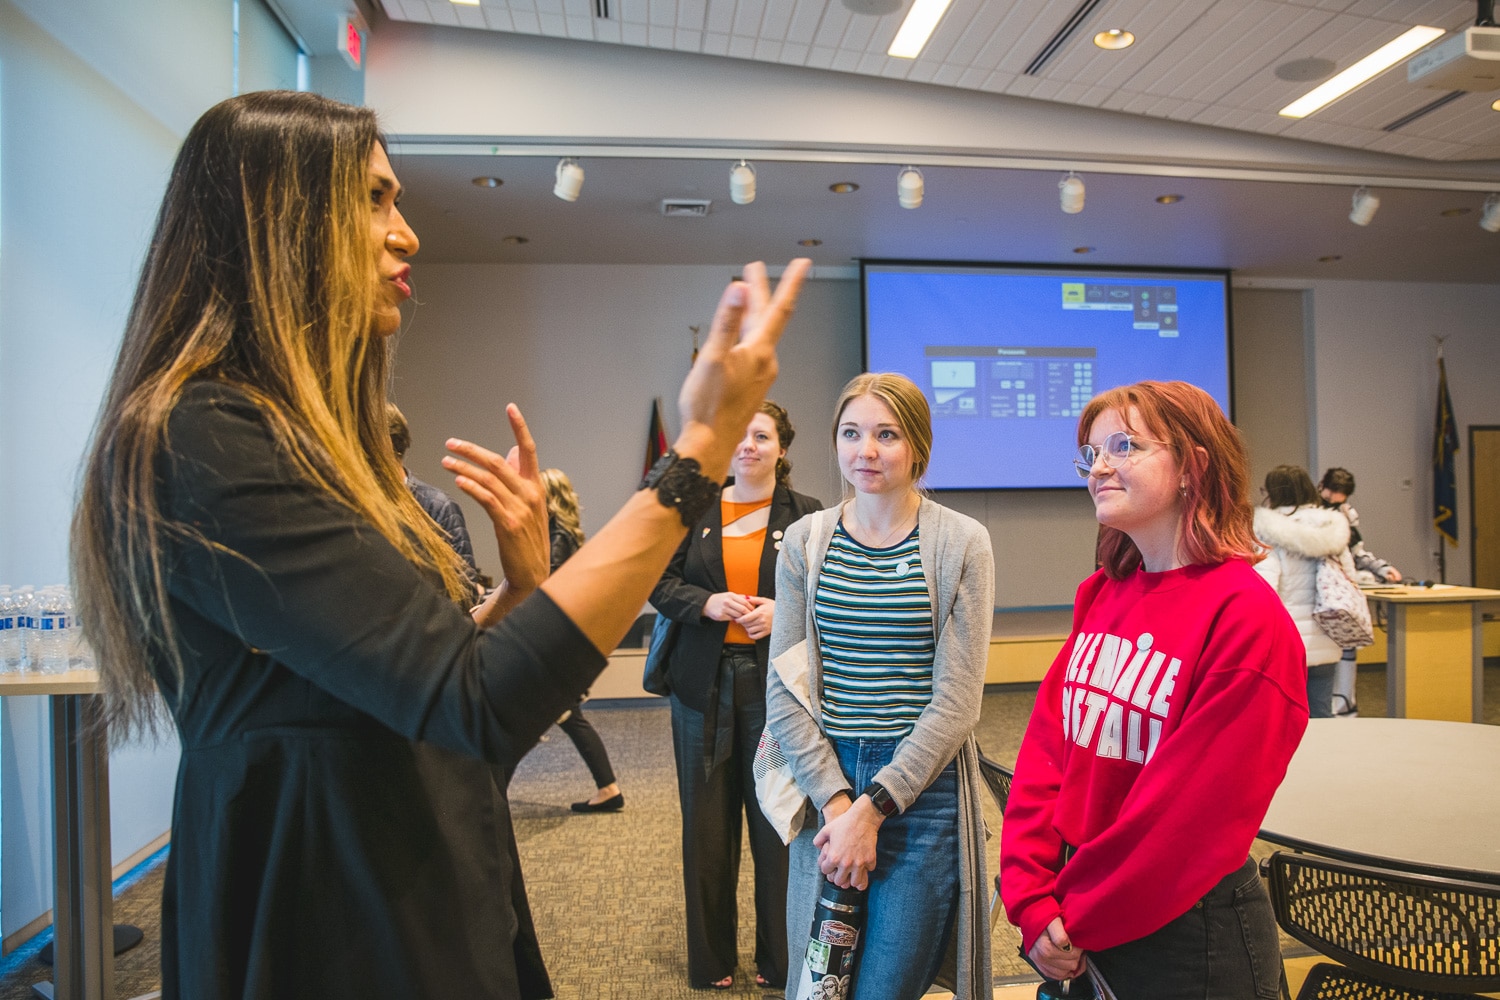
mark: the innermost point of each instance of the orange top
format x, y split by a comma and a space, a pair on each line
741, 558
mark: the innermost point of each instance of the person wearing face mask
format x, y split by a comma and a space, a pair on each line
721, 587
1164, 726
249, 560
891, 596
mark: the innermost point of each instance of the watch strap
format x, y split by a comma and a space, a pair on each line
880, 798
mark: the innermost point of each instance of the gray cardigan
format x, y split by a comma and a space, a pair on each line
958, 564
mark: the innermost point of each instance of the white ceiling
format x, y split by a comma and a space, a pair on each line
1206, 63
1212, 63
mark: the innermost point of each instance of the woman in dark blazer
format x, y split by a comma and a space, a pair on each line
721, 587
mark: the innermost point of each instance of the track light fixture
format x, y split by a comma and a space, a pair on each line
1364, 208
910, 187
1070, 190
569, 179
742, 183
1489, 218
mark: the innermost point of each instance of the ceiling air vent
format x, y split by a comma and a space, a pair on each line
601, 9
685, 208
1057, 41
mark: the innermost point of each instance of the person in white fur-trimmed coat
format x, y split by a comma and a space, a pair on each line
1300, 534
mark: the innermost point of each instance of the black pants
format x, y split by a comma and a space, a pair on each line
590, 747
1224, 948
711, 824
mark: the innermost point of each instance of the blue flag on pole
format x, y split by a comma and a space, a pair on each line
1444, 473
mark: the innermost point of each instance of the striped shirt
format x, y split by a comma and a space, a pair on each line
874, 619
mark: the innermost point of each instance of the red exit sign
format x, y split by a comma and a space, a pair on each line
351, 43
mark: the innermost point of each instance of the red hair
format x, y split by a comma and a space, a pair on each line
1216, 513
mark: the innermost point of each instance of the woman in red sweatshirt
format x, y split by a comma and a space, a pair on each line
1164, 726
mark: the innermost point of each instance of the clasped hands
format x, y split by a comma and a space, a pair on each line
751, 612
846, 844
1054, 954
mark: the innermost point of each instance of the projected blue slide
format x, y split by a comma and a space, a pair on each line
1010, 356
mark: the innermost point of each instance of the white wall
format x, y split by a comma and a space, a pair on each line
1375, 371
94, 98
583, 349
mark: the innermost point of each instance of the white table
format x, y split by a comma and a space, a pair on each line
1419, 792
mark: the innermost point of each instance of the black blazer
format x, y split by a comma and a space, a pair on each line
342, 722
696, 573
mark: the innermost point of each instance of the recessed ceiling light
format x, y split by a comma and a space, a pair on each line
1083, 249
1453, 213
1169, 199
921, 21
1114, 38
1495, 106
809, 243
1330, 258
514, 241
1370, 66
487, 182
844, 187
467, 3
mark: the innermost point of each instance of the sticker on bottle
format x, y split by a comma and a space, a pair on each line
836, 932
817, 957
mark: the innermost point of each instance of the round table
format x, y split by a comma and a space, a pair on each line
1421, 793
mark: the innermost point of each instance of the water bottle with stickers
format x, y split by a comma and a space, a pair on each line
832, 944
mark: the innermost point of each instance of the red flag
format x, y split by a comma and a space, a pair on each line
656, 437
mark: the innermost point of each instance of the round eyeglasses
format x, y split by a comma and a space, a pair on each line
1116, 450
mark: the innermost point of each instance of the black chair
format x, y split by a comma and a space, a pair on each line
997, 780
997, 777
1399, 935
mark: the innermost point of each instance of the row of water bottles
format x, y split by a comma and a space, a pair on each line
38, 631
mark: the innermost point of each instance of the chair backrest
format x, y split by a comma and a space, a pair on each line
1421, 932
997, 779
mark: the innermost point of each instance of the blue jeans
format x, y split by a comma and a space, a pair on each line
913, 899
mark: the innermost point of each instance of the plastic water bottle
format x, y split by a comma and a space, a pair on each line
10, 633
51, 633
25, 600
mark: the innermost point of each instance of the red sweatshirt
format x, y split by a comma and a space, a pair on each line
1159, 735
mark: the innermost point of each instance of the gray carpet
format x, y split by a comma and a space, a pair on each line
606, 888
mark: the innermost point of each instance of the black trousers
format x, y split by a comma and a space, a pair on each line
1224, 948
590, 747
711, 809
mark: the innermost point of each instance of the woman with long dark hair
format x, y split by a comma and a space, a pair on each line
1165, 724
720, 589
247, 555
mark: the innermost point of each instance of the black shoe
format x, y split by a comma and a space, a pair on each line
613, 804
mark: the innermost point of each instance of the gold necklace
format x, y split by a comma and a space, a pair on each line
893, 533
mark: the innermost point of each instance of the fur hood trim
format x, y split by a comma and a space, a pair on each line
1313, 532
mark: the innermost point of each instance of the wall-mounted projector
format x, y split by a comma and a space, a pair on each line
1470, 60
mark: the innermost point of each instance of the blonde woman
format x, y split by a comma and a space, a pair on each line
894, 598
566, 531
247, 554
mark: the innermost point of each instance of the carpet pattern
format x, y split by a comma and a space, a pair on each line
606, 888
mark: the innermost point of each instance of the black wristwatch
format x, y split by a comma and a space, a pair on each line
880, 798
681, 485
